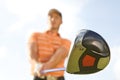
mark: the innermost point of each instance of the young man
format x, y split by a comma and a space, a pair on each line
48, 50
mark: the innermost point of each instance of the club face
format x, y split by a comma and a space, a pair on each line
90, 53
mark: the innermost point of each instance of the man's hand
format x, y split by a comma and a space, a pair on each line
38, 70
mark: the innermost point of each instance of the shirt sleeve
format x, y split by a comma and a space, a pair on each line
66, 44
33, 38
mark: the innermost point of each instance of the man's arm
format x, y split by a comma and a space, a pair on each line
33, 51
35, 65
60, 54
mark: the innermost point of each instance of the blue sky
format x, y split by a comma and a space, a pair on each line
19, 18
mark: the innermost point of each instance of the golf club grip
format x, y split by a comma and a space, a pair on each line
53, 70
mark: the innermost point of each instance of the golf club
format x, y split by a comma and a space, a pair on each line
90, 53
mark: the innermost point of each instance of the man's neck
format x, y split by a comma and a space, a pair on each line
53, 30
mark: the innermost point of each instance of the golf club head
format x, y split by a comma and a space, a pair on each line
90, 53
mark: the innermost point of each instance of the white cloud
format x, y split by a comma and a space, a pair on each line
28, 10
116, 56
16, 26
3, 52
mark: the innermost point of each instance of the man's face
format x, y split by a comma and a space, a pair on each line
54, 21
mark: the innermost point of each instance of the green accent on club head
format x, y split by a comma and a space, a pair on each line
73, 64
103, 62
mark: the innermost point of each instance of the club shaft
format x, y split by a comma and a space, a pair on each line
54, 70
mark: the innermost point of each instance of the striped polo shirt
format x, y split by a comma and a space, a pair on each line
47, 44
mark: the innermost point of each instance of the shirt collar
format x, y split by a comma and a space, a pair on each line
52, 33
